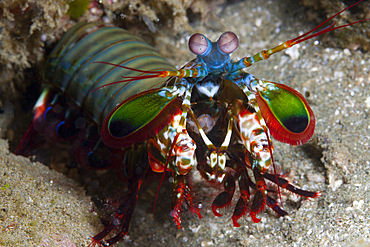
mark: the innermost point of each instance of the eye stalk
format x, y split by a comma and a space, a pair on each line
200, 45
227, 43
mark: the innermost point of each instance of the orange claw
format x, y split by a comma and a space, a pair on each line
215, 211
235, 222
254, 218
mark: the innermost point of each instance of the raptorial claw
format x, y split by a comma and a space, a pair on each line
260, 197
241, 207
182, 194
240, 210
225, 197
119, 224
254, 218
222, 200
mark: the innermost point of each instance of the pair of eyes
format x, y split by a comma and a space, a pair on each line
201, 45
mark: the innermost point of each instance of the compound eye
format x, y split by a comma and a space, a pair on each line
227, 43
199, 44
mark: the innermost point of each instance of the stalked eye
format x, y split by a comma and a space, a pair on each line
227, 43
199, 44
